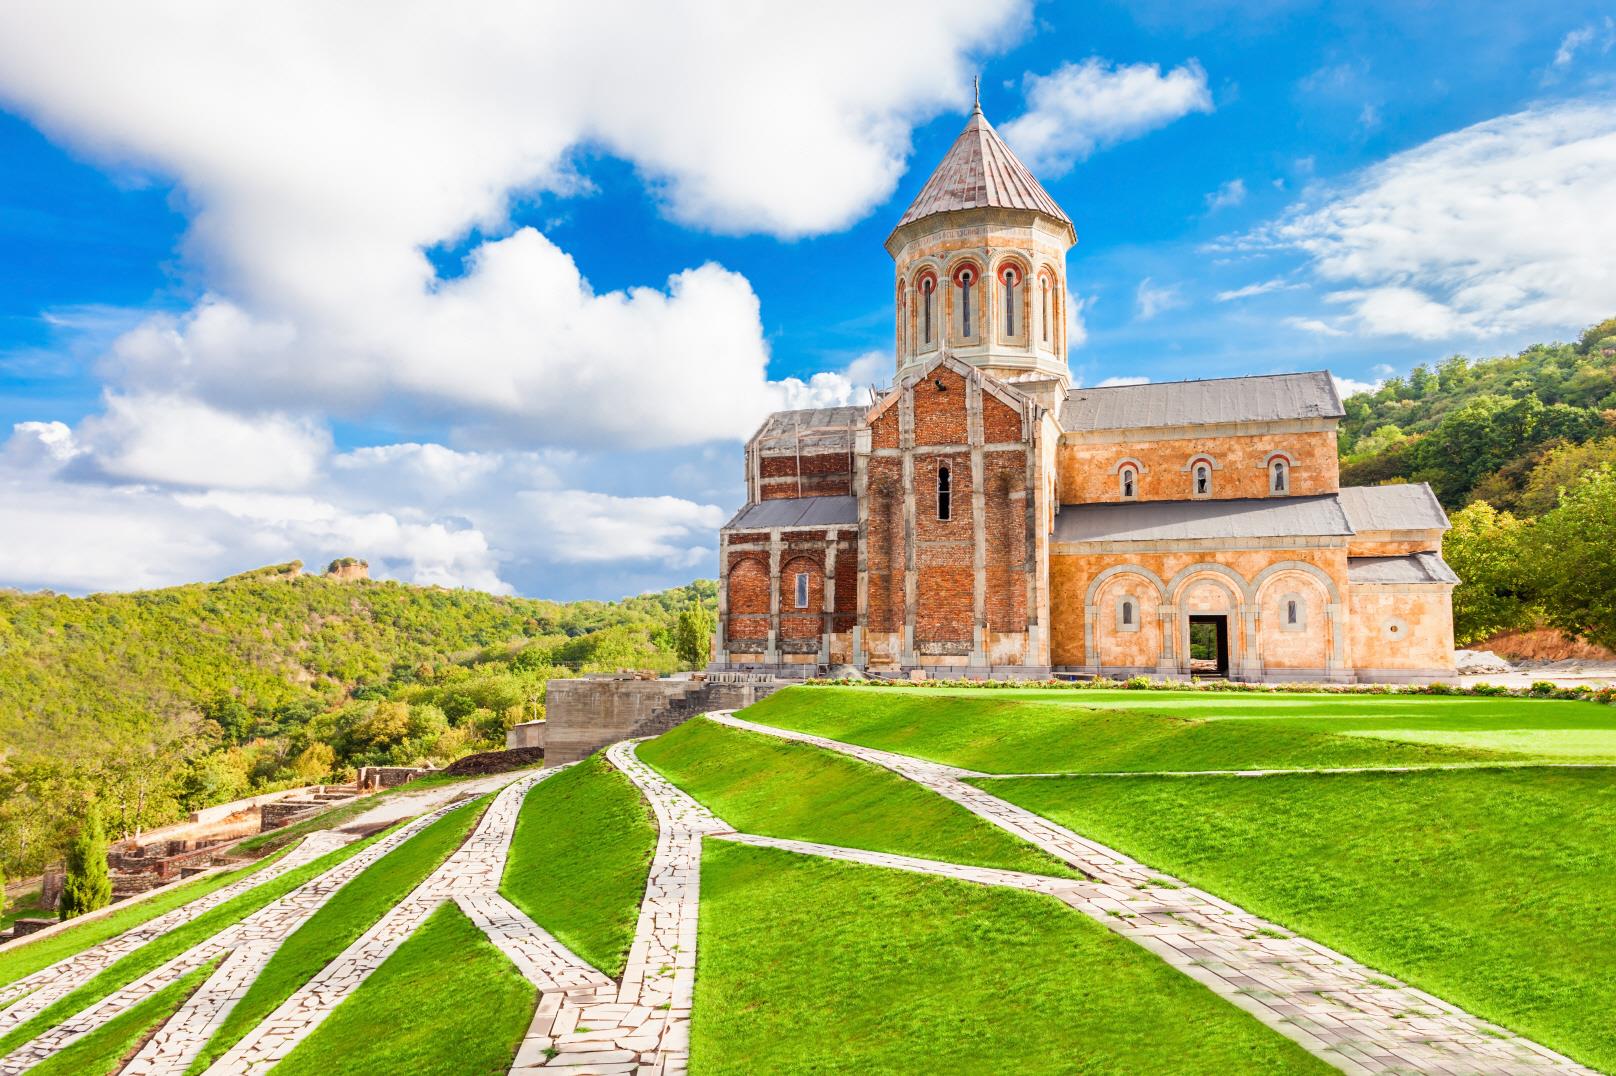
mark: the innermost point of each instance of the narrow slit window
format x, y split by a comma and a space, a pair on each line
1046, 310
965, 279
1203, 480
1011, 278
1130, 488
1127, 612
802, 590
1291, 616
1278, 479
945, 492
928, 289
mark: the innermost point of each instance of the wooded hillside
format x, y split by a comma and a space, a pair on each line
153, 703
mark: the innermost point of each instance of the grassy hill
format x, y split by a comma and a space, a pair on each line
155, 702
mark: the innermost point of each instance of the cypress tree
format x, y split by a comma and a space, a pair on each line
88, 884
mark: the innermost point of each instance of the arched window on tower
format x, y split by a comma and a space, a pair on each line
1044, 284
945, 492
928, 304
1011, 276
1203, 478
964, 279
1130, 482
1278, 475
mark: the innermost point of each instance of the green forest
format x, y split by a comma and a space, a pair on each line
147, 705
1522, 451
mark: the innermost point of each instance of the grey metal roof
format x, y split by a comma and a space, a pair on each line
1410, 568
1157, 521
1404, 507
980, 170
1262, 398
795, 512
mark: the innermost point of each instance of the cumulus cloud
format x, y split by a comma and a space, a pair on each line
1078, 108
1499, 228
1077, 329
1112, 382
1229, 194
1151, 298
336, 143
1346, 386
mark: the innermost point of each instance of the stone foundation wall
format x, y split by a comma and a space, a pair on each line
585, 715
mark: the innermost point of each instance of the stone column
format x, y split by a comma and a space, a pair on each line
979, 532
911, 580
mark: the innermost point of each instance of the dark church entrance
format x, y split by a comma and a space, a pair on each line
1209, 645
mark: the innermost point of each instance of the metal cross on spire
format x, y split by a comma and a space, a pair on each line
977, 83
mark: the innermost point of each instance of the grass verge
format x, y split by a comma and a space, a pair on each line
106, 1049
1489, 888
1032, 731
446, 1001
348, 914
811, 965
760, 784
587, 891
32, 956
162, 949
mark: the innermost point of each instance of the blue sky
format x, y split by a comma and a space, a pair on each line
492, 295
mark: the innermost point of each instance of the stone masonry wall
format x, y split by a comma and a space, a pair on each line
1087, 470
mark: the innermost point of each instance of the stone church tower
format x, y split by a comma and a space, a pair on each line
981, 268
984, 518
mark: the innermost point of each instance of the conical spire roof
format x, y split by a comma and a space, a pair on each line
980, 170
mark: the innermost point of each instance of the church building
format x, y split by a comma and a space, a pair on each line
984, 518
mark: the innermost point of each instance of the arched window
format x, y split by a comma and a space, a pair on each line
964, 279
1044, 283
1278, 476
945, 492
1011, 276
1130, 483
1203, 479
1127, 611
928, 303
802, 590
1292, 614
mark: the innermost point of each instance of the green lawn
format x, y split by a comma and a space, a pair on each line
160, 950
108, 1047
813, 965
578, 861
760, 784
1489, 888
446, 1001
348, 914
32, 956
25, 906
1033, 731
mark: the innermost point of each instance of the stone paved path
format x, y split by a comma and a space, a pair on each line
1501, 765
246, 947
470, 877
643, 1025
49, 985
1341, 1011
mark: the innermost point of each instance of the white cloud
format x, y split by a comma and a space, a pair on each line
1080, 107
1112, 382
1151, 299
1384, 370
1249, 290
596, 527
1502, 227
1077, 329
176, 441
1229, 194
334, 143
1315, 325
1346, 386
1576, 40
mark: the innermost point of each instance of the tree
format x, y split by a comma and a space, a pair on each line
1486, 549
88, 884
1573, 558
1560, 467
692, 634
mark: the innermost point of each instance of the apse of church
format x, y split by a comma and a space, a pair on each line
984, 518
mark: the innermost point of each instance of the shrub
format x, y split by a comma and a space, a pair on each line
87, 885
1543, 687
1137, 683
